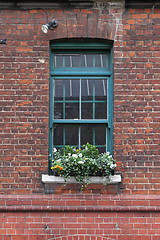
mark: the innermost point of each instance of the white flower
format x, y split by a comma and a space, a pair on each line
107, 153
80, 155
54, 150
112, 166
80, 162
86, 148
110, 156
75, 156
69, 154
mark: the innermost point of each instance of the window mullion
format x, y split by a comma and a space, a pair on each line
80, 99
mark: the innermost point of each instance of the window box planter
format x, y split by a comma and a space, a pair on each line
82, 168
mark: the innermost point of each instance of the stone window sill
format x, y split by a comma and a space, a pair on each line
95, 180
98, 185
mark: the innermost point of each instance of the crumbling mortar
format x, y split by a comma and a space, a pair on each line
109, 6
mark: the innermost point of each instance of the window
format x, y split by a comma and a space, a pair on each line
80, 95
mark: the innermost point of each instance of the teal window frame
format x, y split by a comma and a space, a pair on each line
81, 73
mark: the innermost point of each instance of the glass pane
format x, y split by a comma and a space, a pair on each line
58, 110
87, 110
58, 60
87, 89
87, 98
57, 134
90, 60
101, 149
72, 89
101, 89
86, 134
100, 134
71, 134
58, 89
67, 61
71, 110
101, 110
75, 61
98, 61
104, 60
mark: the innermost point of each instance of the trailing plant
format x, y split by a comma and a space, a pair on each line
82, 163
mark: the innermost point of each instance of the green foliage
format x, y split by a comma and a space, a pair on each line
82, 163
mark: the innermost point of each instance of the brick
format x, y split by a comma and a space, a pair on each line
24, 101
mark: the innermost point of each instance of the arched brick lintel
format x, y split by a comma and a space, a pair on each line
82, 26
81, 237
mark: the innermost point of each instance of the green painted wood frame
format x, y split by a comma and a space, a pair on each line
56, 73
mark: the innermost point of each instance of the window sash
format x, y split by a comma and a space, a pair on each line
64, 97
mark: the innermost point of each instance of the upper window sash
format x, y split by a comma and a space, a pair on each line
84, 59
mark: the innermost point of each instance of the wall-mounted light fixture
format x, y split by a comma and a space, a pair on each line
51, 25
3, 41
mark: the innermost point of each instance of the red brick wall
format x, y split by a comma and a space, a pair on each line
78, 217
136, 102
24, 93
